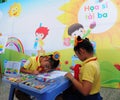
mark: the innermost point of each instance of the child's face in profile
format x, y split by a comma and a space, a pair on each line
44, 62
44, 58
81, 54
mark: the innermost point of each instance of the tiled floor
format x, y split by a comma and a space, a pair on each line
4, 90
107, 93
110, 94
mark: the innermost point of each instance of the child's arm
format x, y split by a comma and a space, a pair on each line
84, 87
23, 70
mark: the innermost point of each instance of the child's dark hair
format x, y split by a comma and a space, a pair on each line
54, 60
83, 43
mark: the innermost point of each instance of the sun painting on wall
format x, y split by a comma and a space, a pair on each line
106, 34
104, 12
15, 10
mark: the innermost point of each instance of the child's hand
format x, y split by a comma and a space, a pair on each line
69, 75
35, 72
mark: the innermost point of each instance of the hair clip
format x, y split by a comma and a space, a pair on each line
56, 56
76, 41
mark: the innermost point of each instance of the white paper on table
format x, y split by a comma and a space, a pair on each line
52, 75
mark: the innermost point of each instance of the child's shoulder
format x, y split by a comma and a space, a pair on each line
32, 58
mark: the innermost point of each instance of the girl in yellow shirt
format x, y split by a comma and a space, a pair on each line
87, 87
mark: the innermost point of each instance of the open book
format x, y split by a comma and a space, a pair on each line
52, 75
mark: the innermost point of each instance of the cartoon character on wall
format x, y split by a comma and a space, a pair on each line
40, 34
75, 30
15, 10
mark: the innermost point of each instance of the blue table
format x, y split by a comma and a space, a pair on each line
48, 93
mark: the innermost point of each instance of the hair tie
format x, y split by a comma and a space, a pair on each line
76, 41
56, 56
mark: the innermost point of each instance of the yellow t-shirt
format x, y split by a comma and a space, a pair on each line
32, 63
90, 71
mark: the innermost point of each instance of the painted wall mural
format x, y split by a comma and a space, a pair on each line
46, 26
